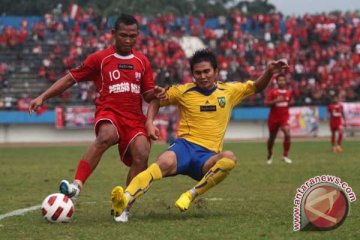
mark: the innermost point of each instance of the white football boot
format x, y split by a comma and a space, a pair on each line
287, 160
72, 190
269, 160
124, 217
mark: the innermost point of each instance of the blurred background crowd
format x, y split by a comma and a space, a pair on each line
323, 50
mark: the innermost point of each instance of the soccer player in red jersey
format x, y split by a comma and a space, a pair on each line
337, 120
123, 77
279, 99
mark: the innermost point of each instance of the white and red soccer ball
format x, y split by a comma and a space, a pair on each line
57, 208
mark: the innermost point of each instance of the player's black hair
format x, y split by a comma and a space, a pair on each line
201, 56
125, 19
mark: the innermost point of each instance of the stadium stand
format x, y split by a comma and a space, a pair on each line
323, 50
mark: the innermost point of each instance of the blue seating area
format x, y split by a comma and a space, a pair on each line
15, 21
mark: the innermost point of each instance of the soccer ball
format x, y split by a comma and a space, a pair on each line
57, 208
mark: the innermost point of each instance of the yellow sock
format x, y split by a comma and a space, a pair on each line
214, 176
141, 183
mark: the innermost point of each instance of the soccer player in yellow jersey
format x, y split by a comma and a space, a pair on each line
205, 108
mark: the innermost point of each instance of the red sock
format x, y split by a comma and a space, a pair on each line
286, 146
332, 138
83, 171
340, 137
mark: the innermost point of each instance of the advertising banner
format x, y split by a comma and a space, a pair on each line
304, 121
83, 117
75, 117
352, 115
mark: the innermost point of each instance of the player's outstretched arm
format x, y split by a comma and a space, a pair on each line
158, 92
54, 90
153, 109
272, 68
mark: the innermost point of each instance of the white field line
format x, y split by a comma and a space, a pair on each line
22, 211
19, 212
214, 199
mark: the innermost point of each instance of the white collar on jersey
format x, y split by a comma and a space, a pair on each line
123, 57
282, 90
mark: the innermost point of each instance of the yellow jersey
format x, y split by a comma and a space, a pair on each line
204, 114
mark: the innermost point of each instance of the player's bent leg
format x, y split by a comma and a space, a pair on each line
138, 186
165, 165
106, 137
141, 183
139, 150
215, 175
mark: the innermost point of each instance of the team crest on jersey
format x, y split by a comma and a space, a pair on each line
221, 101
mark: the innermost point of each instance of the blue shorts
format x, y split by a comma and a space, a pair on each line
190, 158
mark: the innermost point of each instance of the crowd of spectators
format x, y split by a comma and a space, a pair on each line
323, 50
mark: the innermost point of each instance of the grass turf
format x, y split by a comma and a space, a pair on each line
254, 202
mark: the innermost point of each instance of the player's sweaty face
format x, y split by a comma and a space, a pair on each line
204, 75
125, 38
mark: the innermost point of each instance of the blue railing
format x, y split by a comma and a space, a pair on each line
16, 117
238, 114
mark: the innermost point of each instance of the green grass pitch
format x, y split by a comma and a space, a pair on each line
254, 202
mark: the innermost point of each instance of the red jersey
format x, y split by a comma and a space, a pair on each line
336, 114
120, 80
279, 109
